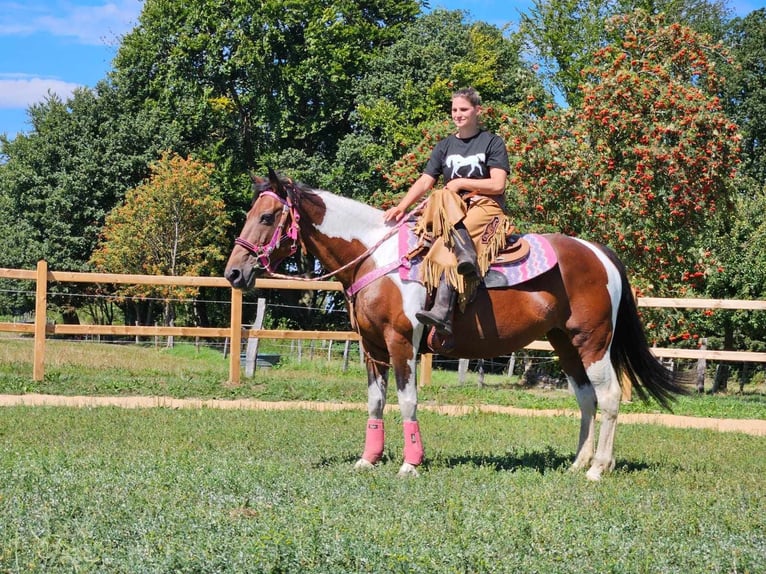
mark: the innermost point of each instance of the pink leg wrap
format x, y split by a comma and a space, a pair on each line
413, 446
373, 441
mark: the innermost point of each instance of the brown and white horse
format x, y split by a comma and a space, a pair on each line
583, 305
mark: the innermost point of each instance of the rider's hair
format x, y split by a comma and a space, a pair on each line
469, 94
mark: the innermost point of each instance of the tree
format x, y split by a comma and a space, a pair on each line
246, 79
58, 182
645, 165
565, 34
743, 270
174, 224
746, 89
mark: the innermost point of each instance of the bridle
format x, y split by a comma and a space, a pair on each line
262, 253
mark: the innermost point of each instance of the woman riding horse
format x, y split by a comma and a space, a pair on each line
465, 216
581, 301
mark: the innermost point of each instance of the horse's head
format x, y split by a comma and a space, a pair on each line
269, 235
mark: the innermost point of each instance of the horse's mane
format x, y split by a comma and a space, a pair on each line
304, 192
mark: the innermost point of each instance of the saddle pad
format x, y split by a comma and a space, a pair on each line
541, 258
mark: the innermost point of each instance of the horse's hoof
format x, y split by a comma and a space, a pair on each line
408, 470
578, 466
362, 464
594, 473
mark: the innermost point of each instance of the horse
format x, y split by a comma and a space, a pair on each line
583, 304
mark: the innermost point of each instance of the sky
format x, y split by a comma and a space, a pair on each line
57, 45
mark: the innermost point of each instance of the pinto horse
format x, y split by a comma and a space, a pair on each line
583, 305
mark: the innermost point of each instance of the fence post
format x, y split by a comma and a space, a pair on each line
701, 367
251, 354
426, 360
236, 335
346, 347
462, 370
41, 319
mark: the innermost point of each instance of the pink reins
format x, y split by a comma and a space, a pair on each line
263, 252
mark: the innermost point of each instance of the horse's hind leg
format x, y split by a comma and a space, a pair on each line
571, 364
586, 399
609, 394
599, 389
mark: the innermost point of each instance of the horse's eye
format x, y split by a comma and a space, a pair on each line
267, 219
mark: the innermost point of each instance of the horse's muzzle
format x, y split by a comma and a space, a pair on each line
241, 277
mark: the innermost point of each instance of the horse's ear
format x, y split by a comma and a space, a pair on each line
276, 184
257, 184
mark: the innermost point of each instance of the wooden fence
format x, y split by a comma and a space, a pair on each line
236, 333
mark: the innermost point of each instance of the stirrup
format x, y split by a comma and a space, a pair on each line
443, 326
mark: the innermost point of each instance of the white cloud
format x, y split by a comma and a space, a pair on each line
93, 25
18, 91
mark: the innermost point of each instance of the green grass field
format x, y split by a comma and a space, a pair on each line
184, 371
164, 490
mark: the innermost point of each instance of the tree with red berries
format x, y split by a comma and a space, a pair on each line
645, 164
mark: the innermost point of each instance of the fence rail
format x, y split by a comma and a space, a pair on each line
236, 333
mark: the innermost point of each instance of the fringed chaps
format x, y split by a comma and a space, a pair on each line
486, 223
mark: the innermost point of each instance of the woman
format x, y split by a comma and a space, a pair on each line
465, 217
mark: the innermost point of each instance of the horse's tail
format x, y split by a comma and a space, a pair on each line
631, 356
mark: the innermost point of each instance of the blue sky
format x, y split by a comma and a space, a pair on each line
57, 45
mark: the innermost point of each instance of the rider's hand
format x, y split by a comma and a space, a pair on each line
395, 213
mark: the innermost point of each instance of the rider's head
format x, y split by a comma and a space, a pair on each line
466, 108
469, 94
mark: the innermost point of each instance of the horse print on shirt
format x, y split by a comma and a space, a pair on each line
457, 162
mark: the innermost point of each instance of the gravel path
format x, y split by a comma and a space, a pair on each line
752, 427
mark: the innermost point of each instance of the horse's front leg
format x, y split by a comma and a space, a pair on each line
377, 385
405, 372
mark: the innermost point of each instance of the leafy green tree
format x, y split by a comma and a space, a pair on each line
743, 271
645, 165
245, 79
565, 34
174, 224
58, 182
746, 89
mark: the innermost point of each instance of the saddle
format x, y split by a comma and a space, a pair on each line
516, 249
523, 257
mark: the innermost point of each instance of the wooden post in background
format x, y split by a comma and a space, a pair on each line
236, 335
41, 320
426, 361
701, 367
251, 354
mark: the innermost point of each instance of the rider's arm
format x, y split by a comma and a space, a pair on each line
493, 185
416, 191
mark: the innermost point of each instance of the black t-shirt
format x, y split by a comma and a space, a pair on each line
471, 158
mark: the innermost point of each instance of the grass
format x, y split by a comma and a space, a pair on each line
80, 368
161, 490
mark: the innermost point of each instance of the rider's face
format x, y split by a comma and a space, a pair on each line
464, 114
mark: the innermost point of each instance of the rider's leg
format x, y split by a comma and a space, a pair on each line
440, 315
465, 251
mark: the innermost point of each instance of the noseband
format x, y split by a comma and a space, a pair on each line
262, 253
